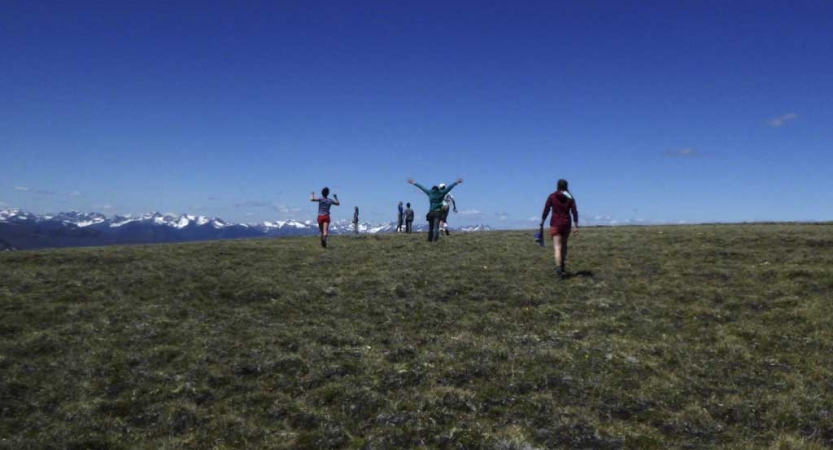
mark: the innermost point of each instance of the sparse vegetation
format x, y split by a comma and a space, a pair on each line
667, 337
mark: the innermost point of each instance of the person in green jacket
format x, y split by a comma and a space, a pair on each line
435, 210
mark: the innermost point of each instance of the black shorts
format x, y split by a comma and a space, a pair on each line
433, 215
444, 215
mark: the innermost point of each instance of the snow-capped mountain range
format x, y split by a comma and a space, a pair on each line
25, 230
83, 220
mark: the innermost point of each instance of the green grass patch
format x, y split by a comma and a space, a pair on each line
713, 336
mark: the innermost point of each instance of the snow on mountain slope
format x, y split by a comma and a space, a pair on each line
182, 222
80, 220
15, 214
7, 214
118, 221
185, 222
479, 227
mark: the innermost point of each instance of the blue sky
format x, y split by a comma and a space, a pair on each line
693, 111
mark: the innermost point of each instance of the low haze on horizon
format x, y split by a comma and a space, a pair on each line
656, 112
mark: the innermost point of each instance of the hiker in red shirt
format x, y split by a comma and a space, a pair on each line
562, 203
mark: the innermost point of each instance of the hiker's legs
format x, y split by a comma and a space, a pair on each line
433, 226
556, 247
325, 231
321, 223
408, 225
559, 245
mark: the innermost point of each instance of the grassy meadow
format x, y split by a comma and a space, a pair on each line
673, 337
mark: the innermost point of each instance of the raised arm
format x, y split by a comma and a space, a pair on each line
335, 200
451, 186
453, 203
411, 181
312, 197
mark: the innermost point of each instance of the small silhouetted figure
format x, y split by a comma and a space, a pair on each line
435, 210
356, 220
409, 218
399, 217
562, 203
324, 204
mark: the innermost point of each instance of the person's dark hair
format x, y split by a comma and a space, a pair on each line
435, 188
562, 185
408, 205
325, 192
357, 208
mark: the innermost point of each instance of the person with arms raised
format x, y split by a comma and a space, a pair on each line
324, 204
435, 209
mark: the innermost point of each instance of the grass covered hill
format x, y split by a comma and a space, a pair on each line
668, 337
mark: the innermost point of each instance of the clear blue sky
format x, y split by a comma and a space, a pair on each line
695, 111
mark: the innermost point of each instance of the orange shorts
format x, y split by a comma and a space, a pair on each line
323, 219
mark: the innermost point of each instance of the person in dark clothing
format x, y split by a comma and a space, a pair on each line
435, 209
409, 218
356, 220
324, 204
562, 204
399, 218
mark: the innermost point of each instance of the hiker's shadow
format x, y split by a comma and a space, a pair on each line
581, 273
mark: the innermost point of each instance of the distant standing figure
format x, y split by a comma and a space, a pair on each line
324, 204
562, 203
356, 220
435, 198
409, 218
399, 218
448, 200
